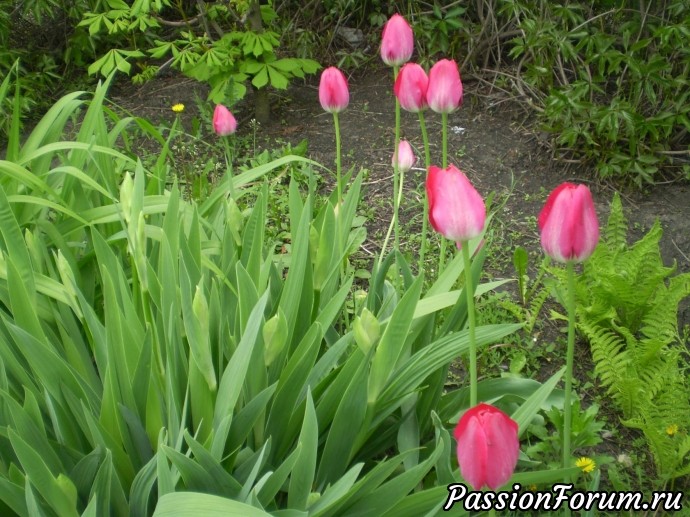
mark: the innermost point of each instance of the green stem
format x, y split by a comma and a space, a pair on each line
469, 290
444, 125
229, 154
427, 163
397, 180
567, 417
338, 173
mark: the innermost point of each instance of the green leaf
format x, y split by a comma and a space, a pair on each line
347, 425
190, 504
278, 79
233, 377
261, 78
527, 411
303, 473
390, 348
59, 491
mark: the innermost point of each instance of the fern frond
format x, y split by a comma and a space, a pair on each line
661, 322
616, 231
612, 362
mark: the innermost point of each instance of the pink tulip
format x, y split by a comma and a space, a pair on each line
445, 88
568, 223
488, 446
333, 93
397, 42
411, 87
224, 122
456, 210
406, 157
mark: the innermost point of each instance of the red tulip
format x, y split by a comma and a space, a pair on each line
568, 223
488, 446
224, 122
406, 157
456, 210
411, 87
397, 42
333, 93
445, 88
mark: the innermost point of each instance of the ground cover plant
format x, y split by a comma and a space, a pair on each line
161, 352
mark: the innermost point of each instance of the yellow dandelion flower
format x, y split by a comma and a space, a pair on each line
178, 108
586, 464
533, 487
672, 429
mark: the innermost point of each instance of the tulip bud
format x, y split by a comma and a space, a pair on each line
235, 220
397, 41
333, 93
275, 334
488, 446
568, 224
367, 330
126, 192
224, 122
411, 87
444, 93
456, 210
406, 157
201, 351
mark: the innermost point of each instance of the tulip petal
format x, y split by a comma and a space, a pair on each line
568, 223
334, 95
224, 122
444, 93
456, 210
473, 453
410, 87
488, 446
397, 41
503, 448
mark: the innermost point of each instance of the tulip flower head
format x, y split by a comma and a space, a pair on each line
333, 92
488, 446
411, 86
406, 157
568, 223
224, 122
456, 210
444, 93
397, 42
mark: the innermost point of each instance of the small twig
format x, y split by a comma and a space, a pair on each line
679, 251
191, 21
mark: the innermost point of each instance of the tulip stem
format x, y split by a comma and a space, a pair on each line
229, 154
338, 173
427, 164
444, 129
396, 169
570, 274
469, 292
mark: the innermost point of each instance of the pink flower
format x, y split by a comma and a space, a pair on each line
456, 210
411, 87
568, 223
397, 42
333, 93
488, 446
406, 157
224, 122
445, 88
